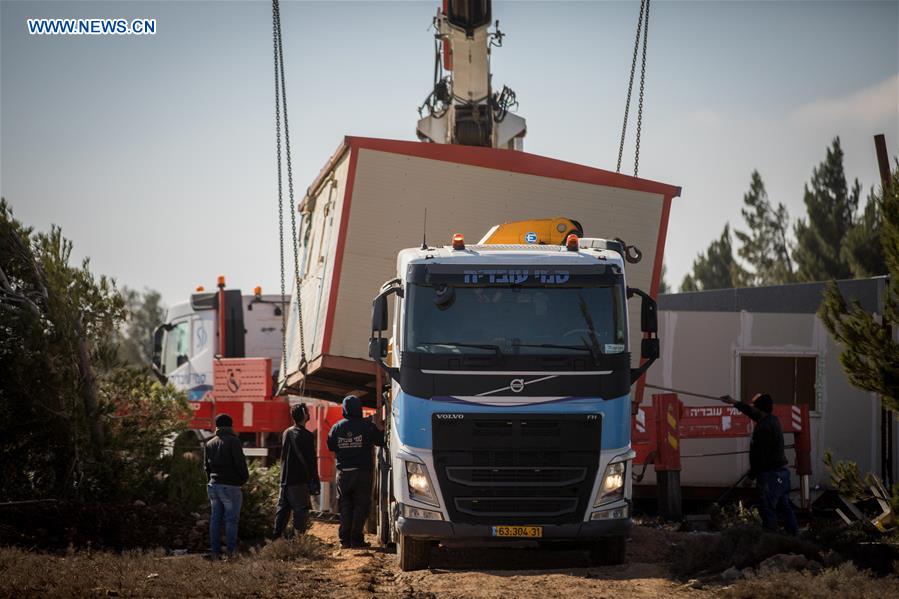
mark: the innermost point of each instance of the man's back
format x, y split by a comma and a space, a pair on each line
224, 460
766, 449
351, 439
298, 463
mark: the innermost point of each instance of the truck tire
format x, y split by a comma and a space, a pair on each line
609, 551
383, 505
371, 523
412, 554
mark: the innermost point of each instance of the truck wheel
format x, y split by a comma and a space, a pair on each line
608, 551
412, 554
384, 520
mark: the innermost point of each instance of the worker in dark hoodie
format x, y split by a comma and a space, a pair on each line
226, 469
351, 440
767, 461
299, 473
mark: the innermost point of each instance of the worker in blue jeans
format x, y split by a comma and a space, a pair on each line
226, 469
767, 462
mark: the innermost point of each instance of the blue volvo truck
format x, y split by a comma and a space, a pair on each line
509, 376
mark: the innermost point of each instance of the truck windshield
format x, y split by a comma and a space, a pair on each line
515, 320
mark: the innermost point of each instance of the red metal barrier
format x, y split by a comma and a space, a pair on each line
242, 389
271, 416
656, 432
322, 418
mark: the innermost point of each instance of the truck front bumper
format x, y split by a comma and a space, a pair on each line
585, 531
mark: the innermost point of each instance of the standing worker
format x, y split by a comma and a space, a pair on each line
299, 475
226, 470
351, 440
767, 461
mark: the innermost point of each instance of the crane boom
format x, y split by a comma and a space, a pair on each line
462, 107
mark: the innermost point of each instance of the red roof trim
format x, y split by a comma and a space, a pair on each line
338, 252
510, 160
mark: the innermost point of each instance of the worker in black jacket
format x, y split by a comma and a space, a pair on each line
226, 469
299, 474
351, 440
767, 461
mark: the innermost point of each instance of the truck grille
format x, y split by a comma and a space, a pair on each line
499, 477
516, 468
518, 507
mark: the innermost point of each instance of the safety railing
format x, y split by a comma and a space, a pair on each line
657, 431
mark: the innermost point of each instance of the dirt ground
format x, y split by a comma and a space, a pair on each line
314, 566
502, 572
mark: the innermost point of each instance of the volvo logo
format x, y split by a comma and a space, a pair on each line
516, 386
449, 416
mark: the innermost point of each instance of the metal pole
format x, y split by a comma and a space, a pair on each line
682, 392
886, 418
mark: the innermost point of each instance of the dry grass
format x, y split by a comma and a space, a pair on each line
268, 572
844, 581
741, 546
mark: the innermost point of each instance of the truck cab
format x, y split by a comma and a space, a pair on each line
186, 345
223, 348
509, 401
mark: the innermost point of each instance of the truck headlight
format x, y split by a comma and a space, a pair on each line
419, 482
612, 487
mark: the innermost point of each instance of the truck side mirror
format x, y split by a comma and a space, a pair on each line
377, 348
649, 321
157, 346
158, 335
379, 319
649, 348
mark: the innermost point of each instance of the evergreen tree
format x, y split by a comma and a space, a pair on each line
716, 268
145, 312
831, 207
765, 246
870, 356
663, 284
862, 248
73, 423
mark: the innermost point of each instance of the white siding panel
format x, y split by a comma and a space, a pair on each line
700, 353
317, 265
391, 192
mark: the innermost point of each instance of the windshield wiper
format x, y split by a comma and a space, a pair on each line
554, 346
488, 347
594, 352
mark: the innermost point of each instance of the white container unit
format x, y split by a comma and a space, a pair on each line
369, 202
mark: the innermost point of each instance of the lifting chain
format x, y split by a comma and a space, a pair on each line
642, 84
642, 27
281, 105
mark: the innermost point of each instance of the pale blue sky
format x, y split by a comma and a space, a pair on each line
156, 154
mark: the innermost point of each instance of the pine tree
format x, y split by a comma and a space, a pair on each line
716, 268
870, 356
145, 312
765, 246
862, 248
663, 283
831, 210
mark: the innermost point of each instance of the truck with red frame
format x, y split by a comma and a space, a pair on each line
223, 349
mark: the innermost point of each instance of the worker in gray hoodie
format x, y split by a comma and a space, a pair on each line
351, 440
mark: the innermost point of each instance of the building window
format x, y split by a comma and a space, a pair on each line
790, 380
